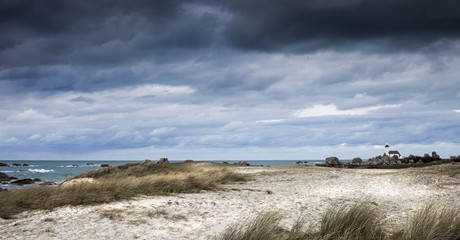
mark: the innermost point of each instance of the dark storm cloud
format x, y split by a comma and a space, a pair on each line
98, 32
315, 24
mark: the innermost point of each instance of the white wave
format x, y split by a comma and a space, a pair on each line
41, 170
7, 171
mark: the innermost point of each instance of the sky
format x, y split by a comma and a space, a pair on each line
228, 79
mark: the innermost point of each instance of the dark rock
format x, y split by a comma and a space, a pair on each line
163, 160
104, 165
25, 165
23, 181
426, 158
333, 162
357, 161
224, 162
298, 162
36, 180
242, 163
2, 189
457, 159
47, 183
89, 164
13, 178
4, 177
16, 165
4, 165
321, 165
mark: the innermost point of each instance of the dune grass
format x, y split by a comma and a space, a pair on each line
117, 183
432, 223
359, 221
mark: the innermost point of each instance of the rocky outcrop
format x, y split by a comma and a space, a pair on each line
333, 162
242, 163
23, 182
4, 177
104, 165
357, 161
16, 165
25, 165
4, 165
163, 161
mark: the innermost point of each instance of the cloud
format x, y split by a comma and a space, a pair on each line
320, 110
222, 77
162, 131
295, 26
11, 140
34, 137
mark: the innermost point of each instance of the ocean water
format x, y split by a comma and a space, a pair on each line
59, 171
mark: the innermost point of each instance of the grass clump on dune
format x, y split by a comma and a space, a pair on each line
432, 223
117, 183
360, 221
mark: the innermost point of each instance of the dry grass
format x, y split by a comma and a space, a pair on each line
265, 226
432, 223
117, 183
358, 221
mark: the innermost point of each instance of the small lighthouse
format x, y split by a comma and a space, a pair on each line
387, 150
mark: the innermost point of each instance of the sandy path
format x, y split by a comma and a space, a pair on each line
293, 191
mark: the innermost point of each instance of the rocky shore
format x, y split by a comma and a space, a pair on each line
387, 161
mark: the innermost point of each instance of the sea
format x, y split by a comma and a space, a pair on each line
58, 171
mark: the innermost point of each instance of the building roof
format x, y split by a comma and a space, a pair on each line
394, 152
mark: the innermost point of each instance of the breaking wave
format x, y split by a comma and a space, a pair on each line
40, 170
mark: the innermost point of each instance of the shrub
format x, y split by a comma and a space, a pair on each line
119, 182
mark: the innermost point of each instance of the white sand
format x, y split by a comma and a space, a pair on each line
292, 191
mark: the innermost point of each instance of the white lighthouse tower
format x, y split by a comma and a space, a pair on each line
387, 150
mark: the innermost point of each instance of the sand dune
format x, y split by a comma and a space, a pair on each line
291, 190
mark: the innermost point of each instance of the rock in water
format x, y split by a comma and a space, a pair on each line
23, 182
4, 165
4, 177
332, 162
163, 160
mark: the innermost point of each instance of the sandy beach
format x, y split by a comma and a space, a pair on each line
293, 191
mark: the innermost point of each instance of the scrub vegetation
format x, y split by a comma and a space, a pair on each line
120, 182
358, 221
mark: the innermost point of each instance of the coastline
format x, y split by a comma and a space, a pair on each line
290, 190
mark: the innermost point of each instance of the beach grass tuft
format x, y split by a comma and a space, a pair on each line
358, 221
432, 223
117, 183
361, 220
